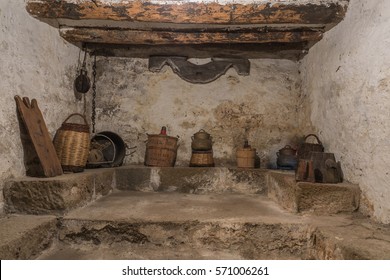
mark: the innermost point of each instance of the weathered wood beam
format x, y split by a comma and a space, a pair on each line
260, 12
125, 37
292, 51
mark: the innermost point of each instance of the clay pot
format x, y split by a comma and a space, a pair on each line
201, 141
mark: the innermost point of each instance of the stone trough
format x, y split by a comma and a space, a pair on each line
136, 212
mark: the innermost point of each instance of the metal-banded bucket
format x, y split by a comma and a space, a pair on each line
246, 157
161, 150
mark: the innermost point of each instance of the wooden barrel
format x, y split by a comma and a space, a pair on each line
202, 159
246, 157
161, 150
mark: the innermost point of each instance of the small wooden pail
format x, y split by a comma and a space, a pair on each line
246, 157
161, 150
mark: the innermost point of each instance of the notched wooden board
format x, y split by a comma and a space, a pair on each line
36, 128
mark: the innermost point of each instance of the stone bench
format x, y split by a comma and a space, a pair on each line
63, 193
312, 197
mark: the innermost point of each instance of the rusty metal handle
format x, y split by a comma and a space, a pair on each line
318, 140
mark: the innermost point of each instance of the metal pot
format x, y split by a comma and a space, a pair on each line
287, 162
201, 144
201, 134
111, 153
287, 151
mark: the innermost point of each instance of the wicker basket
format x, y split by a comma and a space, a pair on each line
72, 142
202, 159
305, 149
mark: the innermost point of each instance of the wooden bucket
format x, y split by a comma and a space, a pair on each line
161, 150
202, 159
246, 157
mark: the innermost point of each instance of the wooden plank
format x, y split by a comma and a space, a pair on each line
291, 51
270, 12
121, 36
36, 127
326, 169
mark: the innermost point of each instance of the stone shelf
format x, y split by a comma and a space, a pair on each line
312, 197
60, 194
56, 195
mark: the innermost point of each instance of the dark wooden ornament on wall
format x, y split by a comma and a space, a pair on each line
199, 74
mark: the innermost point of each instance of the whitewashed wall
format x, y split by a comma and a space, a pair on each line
347, 78
263, 107
34, 62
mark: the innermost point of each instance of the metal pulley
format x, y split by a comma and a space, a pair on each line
82, 83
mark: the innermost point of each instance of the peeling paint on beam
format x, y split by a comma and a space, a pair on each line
190, 12
118, 36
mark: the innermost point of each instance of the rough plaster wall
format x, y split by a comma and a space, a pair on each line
347, 76
37, 63
262, 107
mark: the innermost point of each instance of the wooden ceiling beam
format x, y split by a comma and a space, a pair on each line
292, 51
257, 12
140, 37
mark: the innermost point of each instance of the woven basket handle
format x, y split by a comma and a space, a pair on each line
318, 140
76, 114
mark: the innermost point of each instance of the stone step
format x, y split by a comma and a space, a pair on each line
311, 197
161, 225
155, 225
25, 237
192, 179
158, 225
57, 195
60, 194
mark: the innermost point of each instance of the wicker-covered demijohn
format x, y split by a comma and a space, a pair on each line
72, 142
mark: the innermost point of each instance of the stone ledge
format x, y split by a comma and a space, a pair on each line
192, 179
311, 197
56, 195
25, 237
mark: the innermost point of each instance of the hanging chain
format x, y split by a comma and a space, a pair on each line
93, 117
84, 105
79, 62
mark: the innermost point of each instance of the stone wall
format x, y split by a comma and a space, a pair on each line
37, 63
347, 78
264, 107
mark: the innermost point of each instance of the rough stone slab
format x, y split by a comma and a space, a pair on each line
361, 239
136, 206
132, 178
191, 179
312, 197
24, 237
134, 225
56, 195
